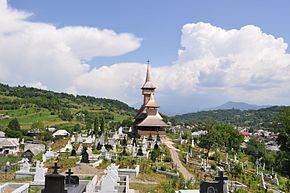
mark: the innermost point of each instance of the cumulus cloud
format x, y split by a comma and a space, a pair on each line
213, 64
41, 53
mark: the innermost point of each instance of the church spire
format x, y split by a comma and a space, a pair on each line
148, 74
148, 84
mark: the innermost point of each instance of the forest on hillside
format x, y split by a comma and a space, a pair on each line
262, 118
33, 106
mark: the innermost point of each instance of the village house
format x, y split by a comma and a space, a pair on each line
9, 146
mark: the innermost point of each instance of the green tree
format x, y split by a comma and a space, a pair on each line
212, 140
255, 148
96, 124
14, 129
77, 127
66, 115
102, 124
14, 124
284, 141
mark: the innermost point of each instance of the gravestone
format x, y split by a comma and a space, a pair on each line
187, 158
68, 146
140, 152
263, 184
134, 142
54, 183
39, 176
124, 141
80, 149
158, 138
235, 157
275, 180
73, 152
218, 186
227, 158
114, 148
85, 156
156, 146
71, 180
25, 167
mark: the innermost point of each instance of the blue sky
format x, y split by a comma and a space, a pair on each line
159, 23
202, 53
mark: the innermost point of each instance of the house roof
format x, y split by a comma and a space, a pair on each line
60, 132
9, 142
152, 121
2, 134
34, 148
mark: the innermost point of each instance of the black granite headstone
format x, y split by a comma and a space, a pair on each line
158, 137
214, 187
73, 152
124, 142
85, 156
69, 179
134, 143
140, 152
156, 145
54, 183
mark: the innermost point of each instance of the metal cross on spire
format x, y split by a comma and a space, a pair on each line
148, 61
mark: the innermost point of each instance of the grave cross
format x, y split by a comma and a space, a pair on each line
221, 178
69, 173
55, 168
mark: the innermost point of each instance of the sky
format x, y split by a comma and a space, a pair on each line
202, 53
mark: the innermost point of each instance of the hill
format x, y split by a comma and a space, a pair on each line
239, 105
262, 118
31, 105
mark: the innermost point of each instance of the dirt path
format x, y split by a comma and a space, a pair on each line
174, 155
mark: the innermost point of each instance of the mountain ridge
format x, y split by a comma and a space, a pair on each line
239, 105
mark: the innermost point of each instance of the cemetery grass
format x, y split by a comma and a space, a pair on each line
34, 189
145, 188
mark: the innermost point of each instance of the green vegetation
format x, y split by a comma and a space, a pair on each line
262, 118
284, 142
32, 108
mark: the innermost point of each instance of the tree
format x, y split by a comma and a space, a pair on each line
77, 127
14, 124
102, 124
14, 129
212, 139
96, 124
284, 141
255, 148
66, 115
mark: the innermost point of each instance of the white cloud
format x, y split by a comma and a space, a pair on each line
38, 52
213, 64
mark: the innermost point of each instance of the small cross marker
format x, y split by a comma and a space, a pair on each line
221, 177
55, 168
69, 173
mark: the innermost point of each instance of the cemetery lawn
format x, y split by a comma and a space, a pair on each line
145, 188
